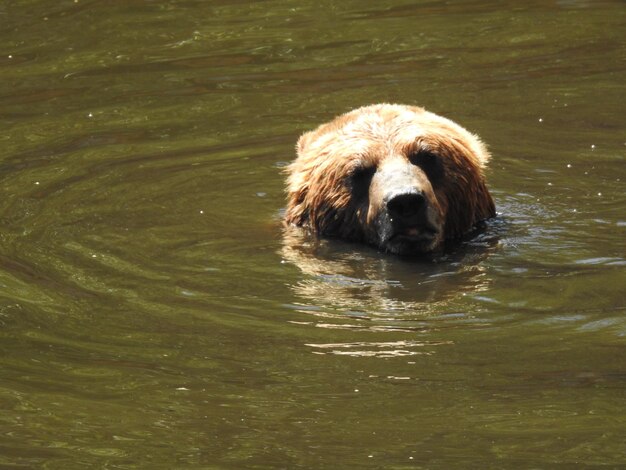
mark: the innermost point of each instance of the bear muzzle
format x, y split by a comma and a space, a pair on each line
408, 223
408, 217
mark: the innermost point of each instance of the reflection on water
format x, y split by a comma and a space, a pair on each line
376, 349
353, 287
346, 277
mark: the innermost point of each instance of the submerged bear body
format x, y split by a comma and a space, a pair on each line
395, 177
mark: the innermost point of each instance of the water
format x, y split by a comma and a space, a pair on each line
154, 314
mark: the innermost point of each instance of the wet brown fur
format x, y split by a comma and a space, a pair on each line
320, 198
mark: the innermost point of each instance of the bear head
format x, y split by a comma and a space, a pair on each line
392, 176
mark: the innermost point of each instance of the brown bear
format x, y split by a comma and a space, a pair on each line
396, 177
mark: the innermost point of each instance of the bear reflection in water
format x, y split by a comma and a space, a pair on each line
343, 279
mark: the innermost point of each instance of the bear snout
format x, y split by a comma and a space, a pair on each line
407, 208
408, 223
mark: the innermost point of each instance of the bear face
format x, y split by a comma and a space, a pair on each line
396, 177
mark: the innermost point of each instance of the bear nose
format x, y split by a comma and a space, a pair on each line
406, 207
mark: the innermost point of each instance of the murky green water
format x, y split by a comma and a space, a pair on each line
153, 314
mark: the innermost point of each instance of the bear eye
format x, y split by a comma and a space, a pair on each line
429, 164
359, 180
362, 172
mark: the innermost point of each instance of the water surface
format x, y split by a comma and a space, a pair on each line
154, 314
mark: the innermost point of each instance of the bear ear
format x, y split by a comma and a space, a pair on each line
303, 141
481, 151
